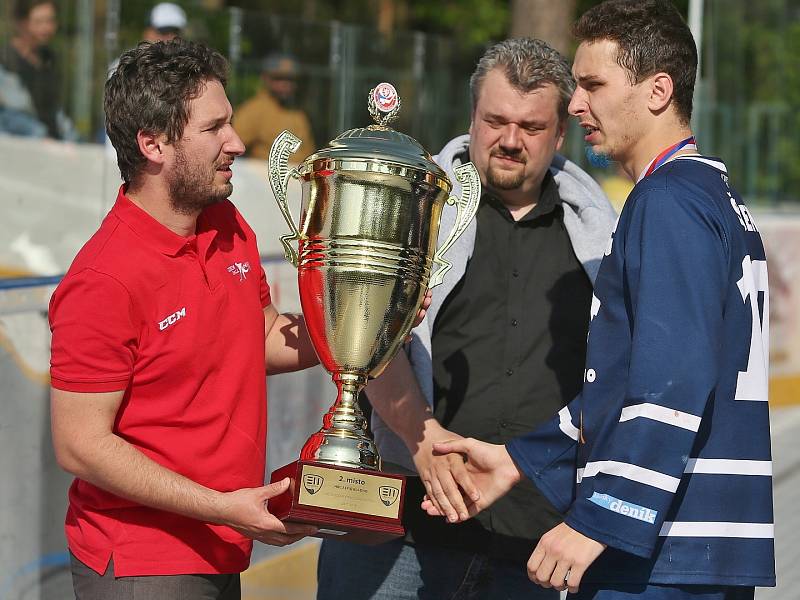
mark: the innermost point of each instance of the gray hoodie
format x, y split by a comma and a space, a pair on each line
589, 220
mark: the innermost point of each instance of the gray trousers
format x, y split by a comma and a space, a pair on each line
91, 586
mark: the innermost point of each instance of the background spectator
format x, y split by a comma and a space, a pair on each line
261, 118
30, 68
166, 22
17, 113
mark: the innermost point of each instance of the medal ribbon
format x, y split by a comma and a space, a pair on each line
688, 144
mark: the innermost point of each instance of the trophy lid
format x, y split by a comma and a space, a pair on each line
378, 143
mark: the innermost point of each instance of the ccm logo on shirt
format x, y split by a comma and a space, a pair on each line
172, 319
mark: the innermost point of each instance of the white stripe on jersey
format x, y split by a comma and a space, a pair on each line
662, 414
699, 466
714, 163
717, 529
565, 424
724, 466
632, 472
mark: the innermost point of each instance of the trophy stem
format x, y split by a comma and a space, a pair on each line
343, 439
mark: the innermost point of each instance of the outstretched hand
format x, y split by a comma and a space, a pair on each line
490, 468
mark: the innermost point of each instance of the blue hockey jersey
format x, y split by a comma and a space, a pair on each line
665, 455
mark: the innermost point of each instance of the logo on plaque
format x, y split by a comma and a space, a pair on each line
388, 494
313, 483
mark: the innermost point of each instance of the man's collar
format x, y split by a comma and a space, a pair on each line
146, 227
548, 198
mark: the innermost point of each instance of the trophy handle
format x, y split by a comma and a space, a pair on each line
278, 171
467, 204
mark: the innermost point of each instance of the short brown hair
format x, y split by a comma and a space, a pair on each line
651, 37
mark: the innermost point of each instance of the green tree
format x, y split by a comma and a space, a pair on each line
750, 84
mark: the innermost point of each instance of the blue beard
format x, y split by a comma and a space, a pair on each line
601, 161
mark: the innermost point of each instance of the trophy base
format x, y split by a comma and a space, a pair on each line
359, 506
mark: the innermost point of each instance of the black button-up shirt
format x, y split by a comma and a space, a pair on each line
509, 346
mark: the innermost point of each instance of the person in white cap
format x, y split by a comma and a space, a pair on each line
167, 21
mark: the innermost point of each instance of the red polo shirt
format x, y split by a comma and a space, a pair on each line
178, 324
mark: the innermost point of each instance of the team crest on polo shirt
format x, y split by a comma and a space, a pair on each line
241, 269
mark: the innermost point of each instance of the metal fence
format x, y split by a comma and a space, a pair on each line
743, 106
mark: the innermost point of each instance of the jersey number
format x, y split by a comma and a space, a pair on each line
752, 383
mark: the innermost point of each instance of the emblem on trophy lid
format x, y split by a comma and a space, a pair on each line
384, 103
385, 97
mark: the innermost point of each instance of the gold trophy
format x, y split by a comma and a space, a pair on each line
369, 223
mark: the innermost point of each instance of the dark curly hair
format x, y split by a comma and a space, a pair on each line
150, 90
652, 37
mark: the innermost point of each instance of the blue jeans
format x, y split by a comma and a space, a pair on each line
397, 571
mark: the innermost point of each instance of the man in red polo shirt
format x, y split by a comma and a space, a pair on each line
161, 330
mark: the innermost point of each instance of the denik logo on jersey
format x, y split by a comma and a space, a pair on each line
628, 509
241, 269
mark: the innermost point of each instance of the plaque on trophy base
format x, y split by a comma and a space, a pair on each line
346, 503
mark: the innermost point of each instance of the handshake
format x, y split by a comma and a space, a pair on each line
464, 476
473, 475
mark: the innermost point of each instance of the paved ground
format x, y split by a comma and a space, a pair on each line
786, 470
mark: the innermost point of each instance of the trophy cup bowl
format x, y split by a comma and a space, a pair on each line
367, 244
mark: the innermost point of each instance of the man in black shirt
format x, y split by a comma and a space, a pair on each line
504, 345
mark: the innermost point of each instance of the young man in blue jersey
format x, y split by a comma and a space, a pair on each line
662, 464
